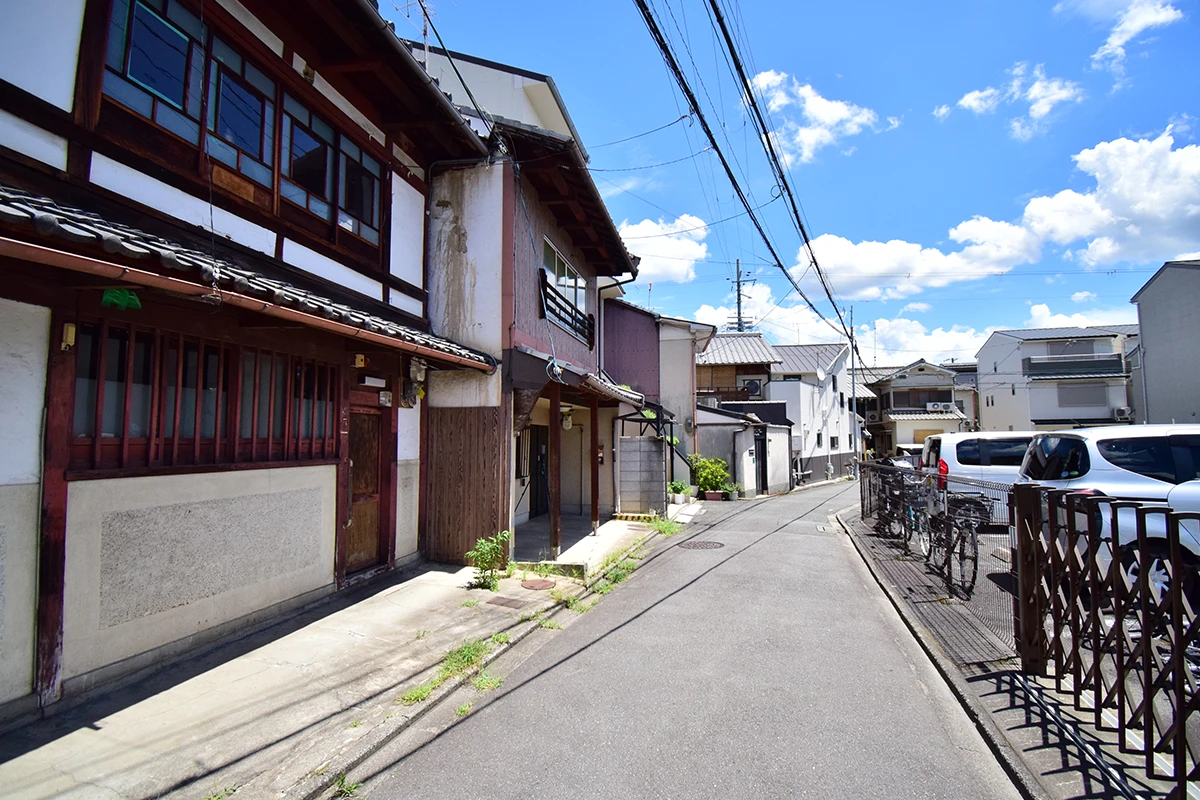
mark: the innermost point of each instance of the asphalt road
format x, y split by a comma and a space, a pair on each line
771, 667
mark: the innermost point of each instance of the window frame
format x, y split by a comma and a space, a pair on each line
166, 443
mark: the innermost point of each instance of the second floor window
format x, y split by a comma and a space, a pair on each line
307, 160
358, 196
566, 280
241, 114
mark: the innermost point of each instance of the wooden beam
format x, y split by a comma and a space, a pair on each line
554, 469
594, 414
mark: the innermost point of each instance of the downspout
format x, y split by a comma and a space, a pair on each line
1145, 397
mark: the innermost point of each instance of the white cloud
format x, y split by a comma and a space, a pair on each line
1042, 94
1137, 17
920, 308
1143, 208
1083, 297
980, 101
669, 250
941, 112
1041, 317
822, 122
893, 123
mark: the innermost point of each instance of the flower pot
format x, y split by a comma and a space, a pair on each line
712, 495
734, 495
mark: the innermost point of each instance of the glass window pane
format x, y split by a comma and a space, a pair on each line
170, 365
256, 171
127, 94
240, 116
280, 395
143, 388
225, 54
309, 157
118, 24
185, 20
177, 123
321, 209
548, 257
371, 165
208, 397
1007, 452
369, 233
222, 152
292, 192
1150, 456
259, 81
269, 134
264, 394
187, 397
322, 129
195, 82
293, 107
158, 56
351, 149
85, 381
967, 452
246, 412
359, 192
116, 350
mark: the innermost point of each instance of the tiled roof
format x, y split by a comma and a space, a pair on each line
900, 416
869, 375
1095, 331
807, 357
749, 347
48, 218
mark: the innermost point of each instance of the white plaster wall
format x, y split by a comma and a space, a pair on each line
141, 188
24, 348
39, 47
17, 134
677, 371
779, 460
408, 479
405, 303
1169, 329
466, 257
311, 261
498, 92
742, 467
155, 559
408, 233
18, 588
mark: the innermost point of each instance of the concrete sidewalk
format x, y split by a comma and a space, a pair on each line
269, 712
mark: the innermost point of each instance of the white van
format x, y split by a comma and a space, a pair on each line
984, 455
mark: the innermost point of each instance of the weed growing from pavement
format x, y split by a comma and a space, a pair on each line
356, 723
486, 681
487, 556
421, 634
462, 710
221, 794
458, 661
629, 565
603, 586
343, 788
617, 575
417, 694
666, 527
469, 603
543, 569
550, 624
500, 638
510, 569
528, 616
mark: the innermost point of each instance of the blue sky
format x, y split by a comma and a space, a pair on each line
961, 168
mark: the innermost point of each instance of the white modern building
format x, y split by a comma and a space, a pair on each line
814, 381
1165, 381
1052, 378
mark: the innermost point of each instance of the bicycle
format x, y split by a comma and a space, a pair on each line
965, 513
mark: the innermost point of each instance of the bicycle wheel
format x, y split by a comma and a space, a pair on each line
967, 555
924, 537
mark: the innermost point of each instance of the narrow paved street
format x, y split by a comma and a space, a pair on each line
770, 667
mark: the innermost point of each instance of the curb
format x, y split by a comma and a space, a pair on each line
1026, 781
815, 484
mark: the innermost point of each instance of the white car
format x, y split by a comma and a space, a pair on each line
985, 455
1152, 464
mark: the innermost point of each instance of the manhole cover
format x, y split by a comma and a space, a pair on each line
701, 545
510, 602
537, 583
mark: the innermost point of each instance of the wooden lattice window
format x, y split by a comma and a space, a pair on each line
145, 397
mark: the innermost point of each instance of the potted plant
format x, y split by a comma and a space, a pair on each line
677, 490
710, 475
728, 492
737, 491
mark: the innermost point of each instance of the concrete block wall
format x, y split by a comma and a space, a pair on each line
642, 464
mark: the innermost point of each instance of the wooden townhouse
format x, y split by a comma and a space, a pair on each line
214, 321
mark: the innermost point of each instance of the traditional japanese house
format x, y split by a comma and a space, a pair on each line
214, 336
525, 237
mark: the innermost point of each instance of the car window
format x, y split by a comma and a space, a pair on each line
933, 452
968, 452
1006, 452
1056, 458
1186, 450
1149, 456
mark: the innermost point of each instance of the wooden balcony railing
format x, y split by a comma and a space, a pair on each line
564, 312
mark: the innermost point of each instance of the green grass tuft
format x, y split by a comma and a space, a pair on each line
500, 638
417, 694
469, 603
550, 624
486, 681
343, 787
603, 586
463, 658
462, 710
666, 527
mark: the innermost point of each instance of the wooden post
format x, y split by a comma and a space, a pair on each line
554, 469
594, 413
1027, 618
60, 392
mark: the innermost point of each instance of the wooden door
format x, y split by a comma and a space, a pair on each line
364, 534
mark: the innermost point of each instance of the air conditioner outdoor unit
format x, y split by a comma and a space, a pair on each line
753, 388
939, 406
1123, 414
872, 416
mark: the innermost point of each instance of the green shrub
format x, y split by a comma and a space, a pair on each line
677, 487
488, 557
710, 474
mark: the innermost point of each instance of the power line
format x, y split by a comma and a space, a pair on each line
673, 65
650, 166
640, 135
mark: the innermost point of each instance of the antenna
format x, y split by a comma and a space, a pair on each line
739, 322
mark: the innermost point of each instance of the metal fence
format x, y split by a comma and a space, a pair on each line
1106, 599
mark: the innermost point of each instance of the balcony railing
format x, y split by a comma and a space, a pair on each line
564, 312
1083, 364
727, 394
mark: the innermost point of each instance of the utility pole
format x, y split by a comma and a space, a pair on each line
740, 321
853, 393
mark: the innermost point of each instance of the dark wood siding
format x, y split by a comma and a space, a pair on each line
467, 479
631, 348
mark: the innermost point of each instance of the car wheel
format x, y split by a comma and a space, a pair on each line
1158, 560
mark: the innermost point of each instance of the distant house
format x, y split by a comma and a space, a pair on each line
735, 366
1165, 364
814, 381
910, 404
1051, 378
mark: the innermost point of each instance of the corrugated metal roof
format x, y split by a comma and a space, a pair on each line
863, 392
1095, 331
807, 358
869, 375
18, 207
1077, 375
738, 347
